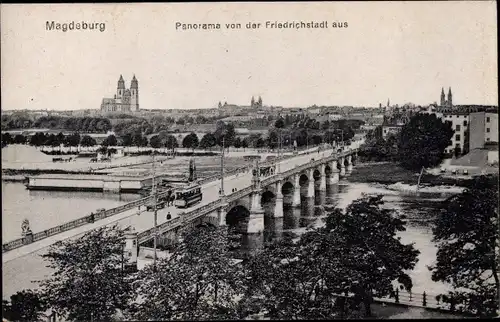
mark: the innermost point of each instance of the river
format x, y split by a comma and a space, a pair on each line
43, 207
420, 210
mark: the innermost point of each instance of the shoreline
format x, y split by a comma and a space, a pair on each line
391, 173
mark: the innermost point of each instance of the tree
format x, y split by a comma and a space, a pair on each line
110, 141
127, 139
225, 131
237, 143
466, 231
87, 141
273, 139
171, 142
139, 140
361, 252
279, 123
60, 138
260, 143
199, 281
244, 143
27, 305
39, 139
88, 283
285, 281
423, 140
190, 141
19, 139
208, 141
155, 141
73, 139
6, 139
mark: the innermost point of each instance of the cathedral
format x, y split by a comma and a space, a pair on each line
125, 100
444, 102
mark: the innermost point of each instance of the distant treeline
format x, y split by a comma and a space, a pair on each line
77, 124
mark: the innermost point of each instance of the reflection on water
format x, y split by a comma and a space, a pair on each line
19, 203
420, 210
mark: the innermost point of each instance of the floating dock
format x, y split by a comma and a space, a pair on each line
101, 183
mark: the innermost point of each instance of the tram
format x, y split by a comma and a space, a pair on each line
186, 197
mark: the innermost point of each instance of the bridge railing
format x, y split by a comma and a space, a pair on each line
238, 194
178, 221
226, 174
310, 164
74, 224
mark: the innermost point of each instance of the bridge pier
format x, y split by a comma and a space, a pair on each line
334, 176
131, 248
349, 164
342, 167
310, 186
256, 221
296, 191
322, 182
221, 215
278, 207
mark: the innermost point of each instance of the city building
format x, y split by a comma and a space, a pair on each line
460, 124
483, 129
125, 100
394, 119
474, 125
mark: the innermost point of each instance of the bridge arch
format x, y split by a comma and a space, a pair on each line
316, 175
287, 188
267, 196
237, 218
328, 170
303, 179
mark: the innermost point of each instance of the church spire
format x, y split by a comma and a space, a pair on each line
121, 83
450, 100
443, 100
134, 83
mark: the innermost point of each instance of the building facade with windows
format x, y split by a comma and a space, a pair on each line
483, 129
460, 124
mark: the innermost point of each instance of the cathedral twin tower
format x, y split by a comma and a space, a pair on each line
444, 102
125, 100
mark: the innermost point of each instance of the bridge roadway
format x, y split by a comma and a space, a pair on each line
23, 265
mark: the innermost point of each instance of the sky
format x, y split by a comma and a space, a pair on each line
402, 51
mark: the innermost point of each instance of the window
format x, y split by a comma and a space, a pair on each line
487, 130
457, 127
465, 123
457, 116
457, 137
487, 139
488, 119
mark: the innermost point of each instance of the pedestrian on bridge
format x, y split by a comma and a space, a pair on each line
169, 216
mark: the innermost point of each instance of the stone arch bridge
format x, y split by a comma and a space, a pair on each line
289, 178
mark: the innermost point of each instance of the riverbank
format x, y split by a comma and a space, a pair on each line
390, 173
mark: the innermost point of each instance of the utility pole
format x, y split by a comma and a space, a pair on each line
155, 198
307, 140
222, 170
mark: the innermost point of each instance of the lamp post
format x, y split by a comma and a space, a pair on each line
222, 169
155, 205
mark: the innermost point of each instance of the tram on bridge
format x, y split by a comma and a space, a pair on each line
188, 196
